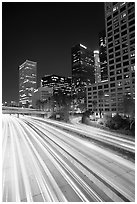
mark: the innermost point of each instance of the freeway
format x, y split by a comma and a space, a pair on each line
42, 162
121, 141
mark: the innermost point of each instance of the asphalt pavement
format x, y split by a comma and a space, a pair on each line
41, 162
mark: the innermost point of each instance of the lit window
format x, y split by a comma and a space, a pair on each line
123, 15
119, 83
132, 68
126, 76
115, 8
122, 3
132, 55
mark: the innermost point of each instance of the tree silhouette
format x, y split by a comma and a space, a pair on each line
38, 104
62, 102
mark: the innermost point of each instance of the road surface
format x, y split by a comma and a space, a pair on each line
42, 162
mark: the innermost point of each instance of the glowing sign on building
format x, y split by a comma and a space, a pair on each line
83, 46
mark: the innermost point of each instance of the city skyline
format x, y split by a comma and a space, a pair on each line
71, 136
45, 34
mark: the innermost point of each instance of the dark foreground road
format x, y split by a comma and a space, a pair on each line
42, 162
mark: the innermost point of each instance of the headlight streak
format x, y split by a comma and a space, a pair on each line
4, 138
73, 185
69, 157
33, 147
79, 180
59, 148
67, 147
7, 169
24, 173
118, 142
17, 195
89, 145
114, 135
101, 135
50, 191
45, 185
8, 198
110, 182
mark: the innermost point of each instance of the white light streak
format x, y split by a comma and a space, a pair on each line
83, 46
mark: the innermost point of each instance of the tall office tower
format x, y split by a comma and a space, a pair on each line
27, 82
83, 73
58, 83
120, 33
97, 66
103, 55
108, 95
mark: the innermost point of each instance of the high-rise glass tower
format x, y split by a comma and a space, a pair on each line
97, 66
27, 82
83, 72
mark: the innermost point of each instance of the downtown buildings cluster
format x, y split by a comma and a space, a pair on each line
101, 78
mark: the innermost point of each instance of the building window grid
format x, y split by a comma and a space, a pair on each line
131, 10
122, 36
131, 16
124, 51
131, 22
124, 27
125, 57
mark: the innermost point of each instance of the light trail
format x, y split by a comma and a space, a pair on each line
129, 165
58, 164
95, 133
42, 162
74, 140
48, 188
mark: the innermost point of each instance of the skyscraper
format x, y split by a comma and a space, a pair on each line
103, 55
120, 41
83, 72
120, 33
97, 66
27, 82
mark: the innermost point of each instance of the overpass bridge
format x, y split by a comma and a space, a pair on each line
23, 111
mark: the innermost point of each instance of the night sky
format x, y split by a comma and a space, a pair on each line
45, 32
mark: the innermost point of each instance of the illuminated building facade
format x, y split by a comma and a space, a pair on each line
27, 82
120, 40
58, 83
83, 71
103, 55
97, 66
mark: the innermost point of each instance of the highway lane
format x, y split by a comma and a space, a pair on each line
43, 163
107, 137
74, 141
